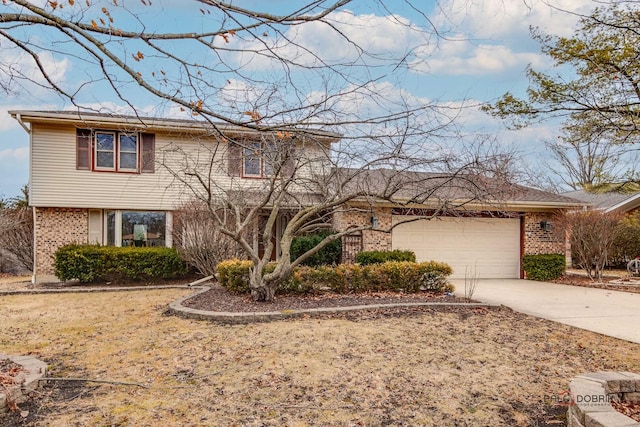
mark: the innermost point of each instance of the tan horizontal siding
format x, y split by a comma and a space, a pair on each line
55, 182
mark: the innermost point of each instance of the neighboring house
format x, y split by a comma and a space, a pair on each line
103, 179
608, 201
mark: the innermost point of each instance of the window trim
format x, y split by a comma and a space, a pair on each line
96, 151
120, 151
258, 157
145, 151
262, 145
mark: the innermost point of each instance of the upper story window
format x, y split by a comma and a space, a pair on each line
128, 152
115, 151
259, 159
105, 151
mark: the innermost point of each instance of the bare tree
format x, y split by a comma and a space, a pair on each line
16, 231
592, 235
199, 241
590, 156
322, 127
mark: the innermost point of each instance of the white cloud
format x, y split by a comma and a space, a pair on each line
491, 19
9, 156
481, 59
354, 39
19, 72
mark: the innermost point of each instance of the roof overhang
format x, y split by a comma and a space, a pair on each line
94, 120
503, 205
631, 203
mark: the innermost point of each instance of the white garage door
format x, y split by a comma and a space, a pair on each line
488, 246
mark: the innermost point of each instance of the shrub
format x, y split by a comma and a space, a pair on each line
626, 244
329, 255
199, 241
397, 276
233, 274
378, 257
544, 266
91, 263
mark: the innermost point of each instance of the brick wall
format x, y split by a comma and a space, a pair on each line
536, 240
539, 241
372, 240
55, 227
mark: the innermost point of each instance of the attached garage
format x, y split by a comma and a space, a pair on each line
490, 247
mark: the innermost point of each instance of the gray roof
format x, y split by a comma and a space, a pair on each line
420, 187
602, 201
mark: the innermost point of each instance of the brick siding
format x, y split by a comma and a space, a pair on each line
539, 241
372, 240
536, 240
55, 227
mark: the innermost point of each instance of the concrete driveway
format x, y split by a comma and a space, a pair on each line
612, 313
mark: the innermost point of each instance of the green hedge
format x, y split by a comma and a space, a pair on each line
378, 257
395, 276
91, 263
544, 266
329, 255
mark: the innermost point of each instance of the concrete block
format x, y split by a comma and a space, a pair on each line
610, 380
572, 419
632, 382
609, 419
589, 397
631, 397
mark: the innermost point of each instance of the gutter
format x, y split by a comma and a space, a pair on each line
25, 127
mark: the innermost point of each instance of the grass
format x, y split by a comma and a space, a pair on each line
474, 367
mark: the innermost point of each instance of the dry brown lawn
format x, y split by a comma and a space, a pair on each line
473, 367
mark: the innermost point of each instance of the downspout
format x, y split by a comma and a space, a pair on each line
33, 208
25, 127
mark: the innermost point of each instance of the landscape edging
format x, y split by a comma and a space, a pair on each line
591, 394
180, 310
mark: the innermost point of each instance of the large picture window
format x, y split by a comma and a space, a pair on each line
136, 228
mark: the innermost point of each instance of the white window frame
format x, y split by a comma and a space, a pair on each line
120, 151
96, 151
262, 148
168, 240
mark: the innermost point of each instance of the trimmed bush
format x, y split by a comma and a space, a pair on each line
329, 255
92, 263
408, 277
544, 266
378, 257
233, 274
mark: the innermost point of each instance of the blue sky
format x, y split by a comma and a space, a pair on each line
483, 51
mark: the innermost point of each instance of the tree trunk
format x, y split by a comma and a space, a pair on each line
263, 286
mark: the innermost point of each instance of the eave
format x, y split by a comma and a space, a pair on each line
94, 120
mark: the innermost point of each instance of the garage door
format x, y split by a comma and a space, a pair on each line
488, 246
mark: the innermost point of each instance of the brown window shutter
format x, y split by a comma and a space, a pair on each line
289, 166
83, 149
148, 149
235, 159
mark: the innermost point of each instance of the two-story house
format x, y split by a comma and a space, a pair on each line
116, 180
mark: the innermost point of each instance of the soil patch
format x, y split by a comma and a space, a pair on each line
218, 299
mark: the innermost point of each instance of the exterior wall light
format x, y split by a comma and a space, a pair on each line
546, 225
374, 221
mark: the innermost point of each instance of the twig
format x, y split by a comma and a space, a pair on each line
92, 381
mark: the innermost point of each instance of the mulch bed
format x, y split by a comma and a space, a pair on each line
219, 299
584, 281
